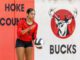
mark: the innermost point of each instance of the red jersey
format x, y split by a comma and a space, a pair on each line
28, 36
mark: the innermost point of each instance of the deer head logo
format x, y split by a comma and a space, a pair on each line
62, 25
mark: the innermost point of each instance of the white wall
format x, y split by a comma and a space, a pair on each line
44, 30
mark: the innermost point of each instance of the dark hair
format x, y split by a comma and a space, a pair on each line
29, 10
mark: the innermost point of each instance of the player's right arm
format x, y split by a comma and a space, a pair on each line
21, 32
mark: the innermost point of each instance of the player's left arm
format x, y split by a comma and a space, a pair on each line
34, 35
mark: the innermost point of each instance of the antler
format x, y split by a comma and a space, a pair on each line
51, 12
74, 12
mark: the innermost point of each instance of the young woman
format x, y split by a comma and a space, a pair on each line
26, 32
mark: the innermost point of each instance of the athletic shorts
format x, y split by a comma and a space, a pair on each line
20, 43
